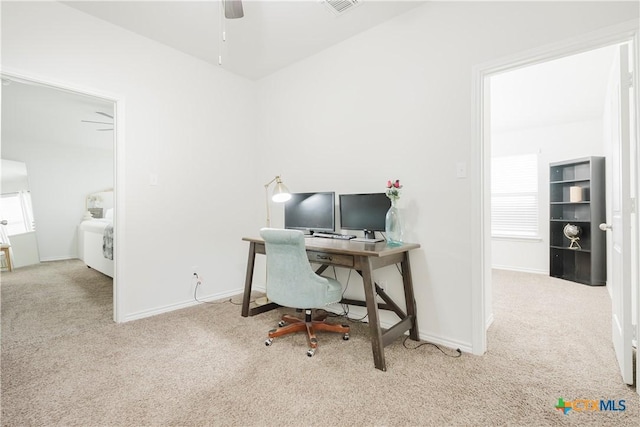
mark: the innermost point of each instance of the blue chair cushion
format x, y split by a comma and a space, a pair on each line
291, 282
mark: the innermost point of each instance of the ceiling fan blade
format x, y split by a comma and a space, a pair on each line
233, 9
104, 114
93, 121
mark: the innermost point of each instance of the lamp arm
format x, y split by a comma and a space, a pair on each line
270, 182
266, 198
280, 188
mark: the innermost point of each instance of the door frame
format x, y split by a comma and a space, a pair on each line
118, 169
481, 158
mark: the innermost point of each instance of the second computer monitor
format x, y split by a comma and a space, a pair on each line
310, 212
364, 211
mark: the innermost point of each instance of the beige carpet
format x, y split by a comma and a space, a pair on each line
64, 363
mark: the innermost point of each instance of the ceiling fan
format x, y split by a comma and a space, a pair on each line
102, 123
233, 9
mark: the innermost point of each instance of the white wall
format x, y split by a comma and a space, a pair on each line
189, 122
395, 102
60, 177
552, 144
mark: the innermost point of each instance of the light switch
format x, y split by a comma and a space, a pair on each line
461, 169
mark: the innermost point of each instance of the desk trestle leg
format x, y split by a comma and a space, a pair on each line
374, 318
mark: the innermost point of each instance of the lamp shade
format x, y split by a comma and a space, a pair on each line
280, 192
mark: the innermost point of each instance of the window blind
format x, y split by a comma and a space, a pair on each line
16, 209
514, 196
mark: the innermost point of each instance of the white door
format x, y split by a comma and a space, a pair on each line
619, 225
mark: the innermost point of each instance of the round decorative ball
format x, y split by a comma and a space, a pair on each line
572, 231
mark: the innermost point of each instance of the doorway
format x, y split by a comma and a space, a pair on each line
540, 114
625, 33
67, 138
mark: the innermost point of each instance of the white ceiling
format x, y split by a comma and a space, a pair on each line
40, 115
271, 35
566, 90
274, 34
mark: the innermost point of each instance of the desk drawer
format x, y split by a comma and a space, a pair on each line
331, 259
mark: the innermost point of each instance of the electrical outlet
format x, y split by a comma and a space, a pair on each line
195, 275
461, 169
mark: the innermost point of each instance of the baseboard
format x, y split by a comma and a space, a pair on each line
172, 307
57, 258
464, 347
489, 321
519, 269
357, 312
158, 310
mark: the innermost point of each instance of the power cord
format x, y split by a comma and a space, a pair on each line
404, 344
195, 294
345, 307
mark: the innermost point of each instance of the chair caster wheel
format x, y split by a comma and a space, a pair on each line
268, 342
345, 337
311, 352
281, 323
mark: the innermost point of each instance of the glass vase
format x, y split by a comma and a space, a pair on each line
393, 225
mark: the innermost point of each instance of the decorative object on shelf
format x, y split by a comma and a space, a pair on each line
575, 194
393, 220
572, 232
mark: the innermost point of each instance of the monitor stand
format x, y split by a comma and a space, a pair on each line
369, 234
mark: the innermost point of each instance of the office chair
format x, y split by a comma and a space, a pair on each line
292, 283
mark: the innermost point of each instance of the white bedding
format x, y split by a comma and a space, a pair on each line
96, 225
90, 245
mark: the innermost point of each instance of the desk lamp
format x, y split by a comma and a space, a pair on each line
280, 195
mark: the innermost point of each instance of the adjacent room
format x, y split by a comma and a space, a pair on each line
156, 133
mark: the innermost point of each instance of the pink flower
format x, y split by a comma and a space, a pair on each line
393, 189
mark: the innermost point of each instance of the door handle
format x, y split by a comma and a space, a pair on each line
605, 227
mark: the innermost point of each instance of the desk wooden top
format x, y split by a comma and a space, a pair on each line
348, 247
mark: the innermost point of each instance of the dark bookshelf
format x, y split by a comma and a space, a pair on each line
577, 197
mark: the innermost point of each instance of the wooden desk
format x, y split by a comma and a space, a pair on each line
364, 258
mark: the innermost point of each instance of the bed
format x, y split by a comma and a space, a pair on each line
95, 233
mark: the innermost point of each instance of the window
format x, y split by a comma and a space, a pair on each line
514, 196
16, 209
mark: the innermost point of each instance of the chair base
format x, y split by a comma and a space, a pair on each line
294, 324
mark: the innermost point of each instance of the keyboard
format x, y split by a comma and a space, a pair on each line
334, 236
364, 240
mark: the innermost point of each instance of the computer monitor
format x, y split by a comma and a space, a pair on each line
365, 212
311, 212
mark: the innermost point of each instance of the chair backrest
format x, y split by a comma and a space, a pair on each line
291, 282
